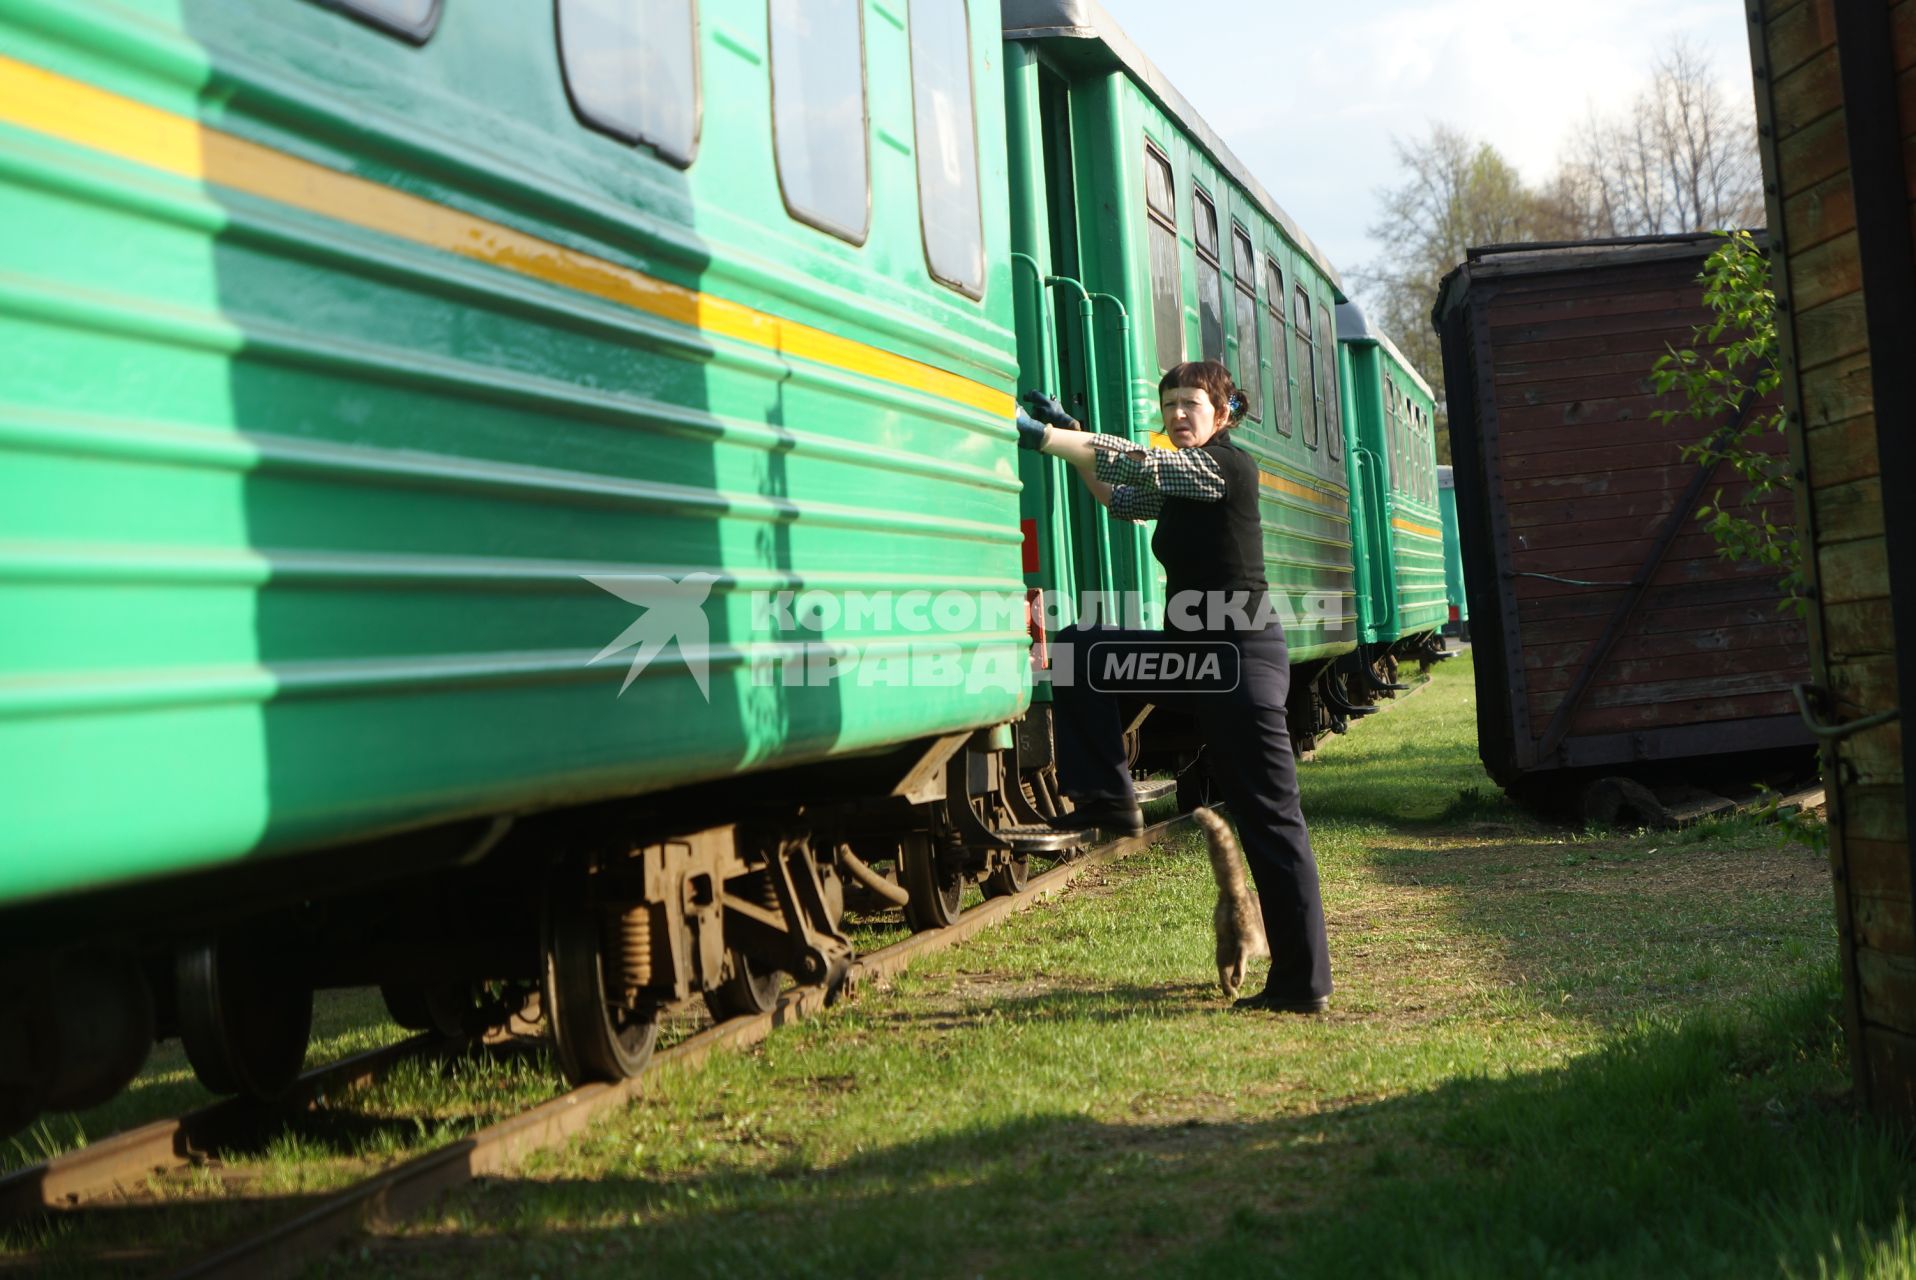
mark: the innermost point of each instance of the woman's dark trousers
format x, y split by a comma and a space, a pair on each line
1247, 745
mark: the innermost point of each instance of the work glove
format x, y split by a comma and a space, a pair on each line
1031, 434
1046, 409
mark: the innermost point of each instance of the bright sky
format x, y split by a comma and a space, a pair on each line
1309, 95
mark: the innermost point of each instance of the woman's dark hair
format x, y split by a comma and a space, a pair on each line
1214, 380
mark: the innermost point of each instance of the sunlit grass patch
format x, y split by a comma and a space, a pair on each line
1551, 1051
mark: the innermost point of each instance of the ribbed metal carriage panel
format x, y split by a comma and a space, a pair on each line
307, 468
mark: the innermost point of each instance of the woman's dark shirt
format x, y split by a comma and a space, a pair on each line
1210, 538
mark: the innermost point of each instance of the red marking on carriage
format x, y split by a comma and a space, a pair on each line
1034, 623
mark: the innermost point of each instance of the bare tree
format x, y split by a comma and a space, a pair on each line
1683, 158
1457, 191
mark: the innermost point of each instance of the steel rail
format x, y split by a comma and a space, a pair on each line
407, 1189
123, 1161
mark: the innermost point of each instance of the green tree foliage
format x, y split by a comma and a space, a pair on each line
1723, 377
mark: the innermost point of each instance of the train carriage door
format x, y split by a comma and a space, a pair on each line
1060, 182
1061, 220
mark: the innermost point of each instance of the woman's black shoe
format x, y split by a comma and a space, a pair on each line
1120, 817
1263, 1001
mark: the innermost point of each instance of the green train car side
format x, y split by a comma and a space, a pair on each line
412, 418
1459, 624
405, 362
447, 446
1141, 241
1393, 471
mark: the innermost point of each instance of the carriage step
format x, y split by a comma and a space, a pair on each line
1042, 839
1149, 789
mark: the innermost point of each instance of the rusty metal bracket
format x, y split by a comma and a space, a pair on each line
1343, 706
1559, 726
1012, 792
962, 820
1832, 732
924, 782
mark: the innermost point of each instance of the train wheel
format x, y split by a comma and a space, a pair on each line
937, 888
1007, 879
595, 1034
245, 1015
1195, 787
746, 992
449, 1009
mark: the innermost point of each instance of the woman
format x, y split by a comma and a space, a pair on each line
1209, 538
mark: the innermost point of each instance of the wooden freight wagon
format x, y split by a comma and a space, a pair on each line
1833, 97
1608, 631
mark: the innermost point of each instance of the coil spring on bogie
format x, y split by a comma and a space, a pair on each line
765, 889
635, 950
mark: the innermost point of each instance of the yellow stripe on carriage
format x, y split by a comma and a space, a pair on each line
1285, 485
1411, 526
47, 103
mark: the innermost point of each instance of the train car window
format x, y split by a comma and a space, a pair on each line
412, 19
821, 134
1167, 300
631, 70
1327, 386
1394, 428
1425, 455
1304, 360
1250, 352
1416, 453
1280, 363
945, 131
1210, 281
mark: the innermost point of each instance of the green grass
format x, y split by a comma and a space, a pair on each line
1552, 1053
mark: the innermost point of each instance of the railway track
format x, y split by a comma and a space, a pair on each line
93, 1177
108, 1168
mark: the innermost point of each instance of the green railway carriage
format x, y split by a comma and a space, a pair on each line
1459, 623
1401, 597
1142, 241
447, 443
375, 365
399, 363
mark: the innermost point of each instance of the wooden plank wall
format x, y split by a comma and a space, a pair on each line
1829, 377
1590, 479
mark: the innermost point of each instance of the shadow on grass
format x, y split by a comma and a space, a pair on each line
1711, 1148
